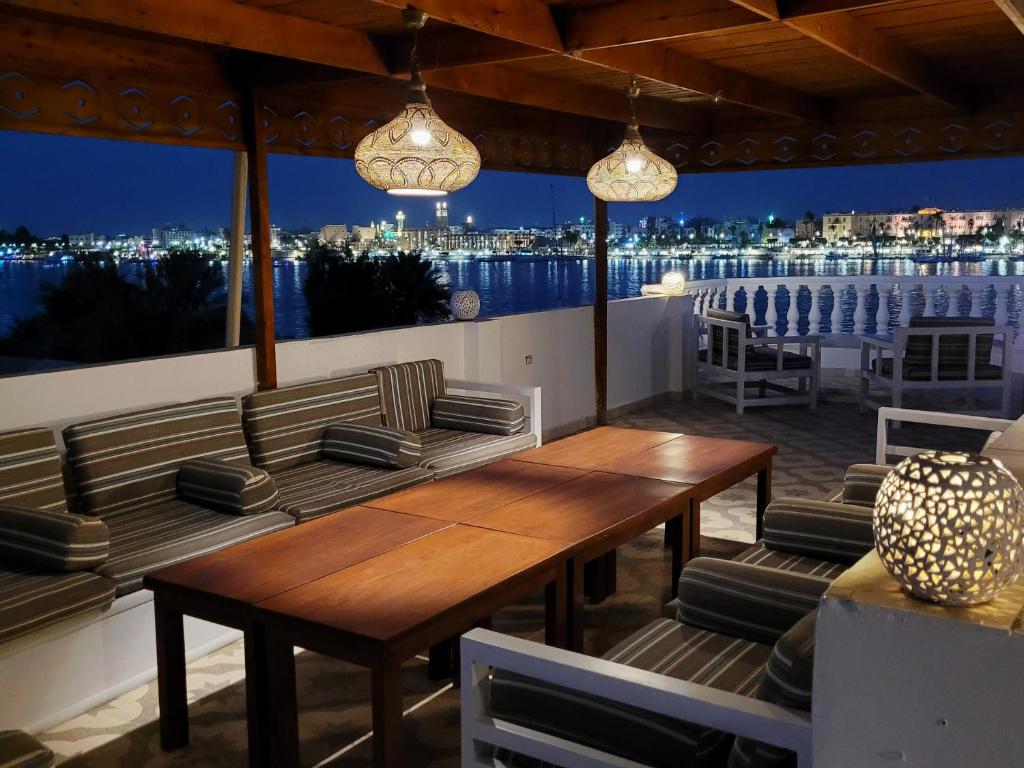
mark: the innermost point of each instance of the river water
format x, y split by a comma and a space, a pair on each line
509, 287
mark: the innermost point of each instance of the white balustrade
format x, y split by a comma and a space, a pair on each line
882, 313
976, 295
929, 301
730, 298
771, 314
906, 310
793, 312
837, 308
1002, 301
860, 313
814, 313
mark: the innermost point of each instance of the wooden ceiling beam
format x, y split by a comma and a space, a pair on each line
1014, 10
668, 66
222, 23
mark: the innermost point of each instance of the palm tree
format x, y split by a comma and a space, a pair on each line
414, 290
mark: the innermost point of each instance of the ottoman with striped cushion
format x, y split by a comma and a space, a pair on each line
485, 431
34, 596
294, 434
126, 471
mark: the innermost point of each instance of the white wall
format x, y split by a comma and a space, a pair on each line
644, 359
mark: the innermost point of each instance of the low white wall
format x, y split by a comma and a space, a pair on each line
645, 347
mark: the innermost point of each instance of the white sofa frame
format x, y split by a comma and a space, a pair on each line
710, 373
483, 650
55, 673
875, 349
884, 449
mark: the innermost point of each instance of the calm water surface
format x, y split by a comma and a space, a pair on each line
508, 287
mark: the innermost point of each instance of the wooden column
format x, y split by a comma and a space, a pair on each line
601, 309
259, 225
236, 255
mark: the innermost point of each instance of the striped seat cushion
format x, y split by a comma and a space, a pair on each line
787, 681
131, 460
286, 426
838, 532
227, 487
447, 451
376, 446
407, 392
19, 750
862, 483
478, 414
169, 531
30, 473
321, 487
663, 646
55, 541
758, 554
743, 600
31, 599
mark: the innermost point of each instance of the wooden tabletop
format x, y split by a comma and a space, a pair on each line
463, 496
270, 565
416, 595
595, 448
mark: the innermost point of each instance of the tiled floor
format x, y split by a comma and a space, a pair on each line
814, 450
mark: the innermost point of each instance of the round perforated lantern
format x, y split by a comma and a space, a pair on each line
949, 527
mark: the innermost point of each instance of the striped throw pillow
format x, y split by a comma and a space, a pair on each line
840, 533
227, 487
743, 600
376, 446
478, 414
56, 541
862, 483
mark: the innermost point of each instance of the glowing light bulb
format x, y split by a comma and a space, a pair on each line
634, 164
420, 136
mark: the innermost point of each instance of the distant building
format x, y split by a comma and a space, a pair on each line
174, 237
441, 215
808, 229
335, 234
86, 241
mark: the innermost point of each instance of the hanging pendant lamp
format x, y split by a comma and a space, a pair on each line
417, 153
632, 173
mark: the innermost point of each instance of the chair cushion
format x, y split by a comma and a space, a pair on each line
407, 392
447, 451
286, 426
663, 646
31, 599
132, 459
786, 681
478, 414
376, 446
862, 483
30, 473
321, 487
743, 600
759, 554
732, 342
946, 372
227, 487
54, 541
19, 750
151, 537
837, 532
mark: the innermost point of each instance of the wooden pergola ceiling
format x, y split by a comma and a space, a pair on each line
538, 85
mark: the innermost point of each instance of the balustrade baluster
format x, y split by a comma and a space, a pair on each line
976, 293
730, 298
906, 311
860, 313
771, 315
814, 314
836, 321
793, 312
929, 300
1002, 299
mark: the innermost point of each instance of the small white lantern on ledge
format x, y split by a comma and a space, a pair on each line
465, 305
950, 527
672, 284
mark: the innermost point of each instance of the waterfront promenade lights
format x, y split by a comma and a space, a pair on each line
417, 153
632, 173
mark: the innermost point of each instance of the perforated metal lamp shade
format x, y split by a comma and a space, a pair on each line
417, 153
632, 173
950, 527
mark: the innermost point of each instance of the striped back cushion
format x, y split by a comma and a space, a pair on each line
123, 461
952, 349
30, 472
407, 392
286, 426
731, 337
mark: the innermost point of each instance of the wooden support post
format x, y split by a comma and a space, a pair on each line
259, 224
236, 255
601, 309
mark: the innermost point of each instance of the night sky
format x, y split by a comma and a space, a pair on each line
55, 184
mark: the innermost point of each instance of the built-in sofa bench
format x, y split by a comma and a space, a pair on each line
142, 490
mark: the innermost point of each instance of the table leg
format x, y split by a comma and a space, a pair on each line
257, 697
594, 585
555, 603
574, 603
387, 714
764, 496
611, 572
170, 664
679, 542
670, 531
281, 732
691, 532
439, 664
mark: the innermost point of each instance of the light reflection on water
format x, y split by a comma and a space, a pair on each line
508, 287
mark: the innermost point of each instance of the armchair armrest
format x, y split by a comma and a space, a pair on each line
840, 533
957, 420
234, 488
478, 414
528, 394
373, 445
744, 600
861, 484
56, 541
875, 341
483, 650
